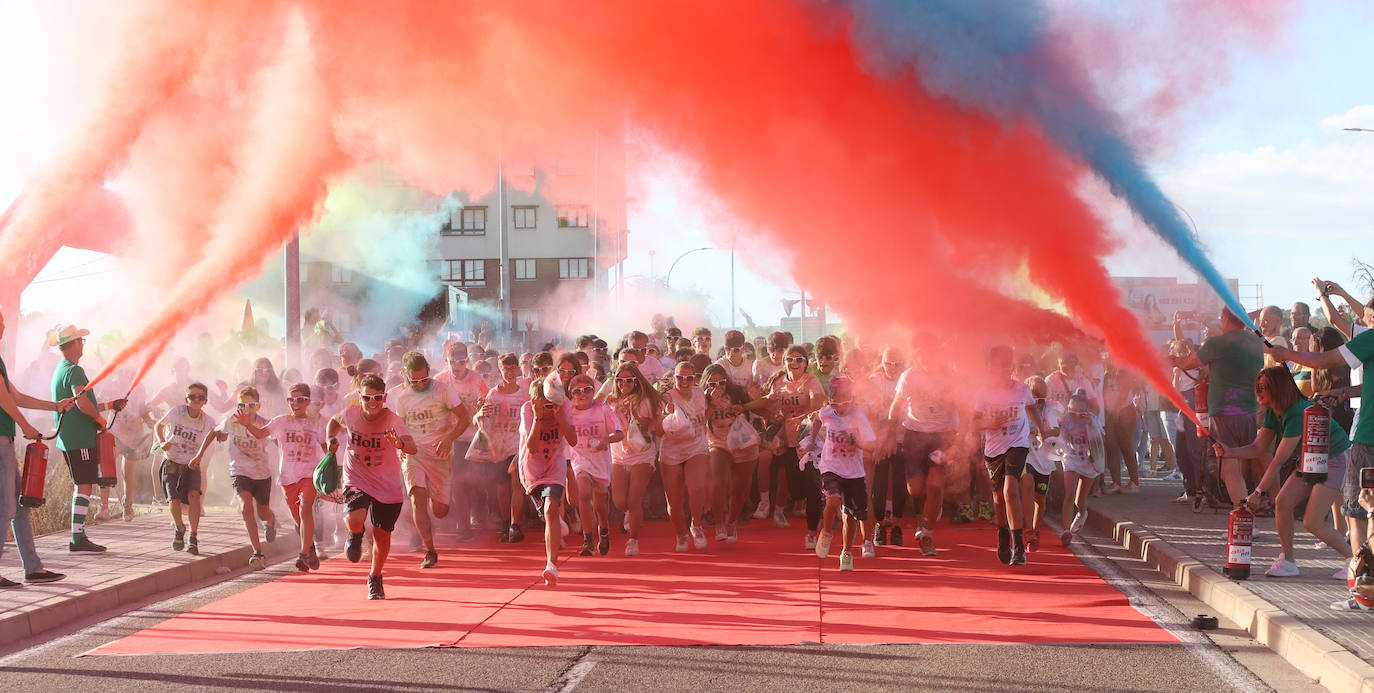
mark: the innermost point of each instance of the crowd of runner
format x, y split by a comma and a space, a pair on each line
858, 446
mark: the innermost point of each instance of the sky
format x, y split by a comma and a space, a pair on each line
1279, 191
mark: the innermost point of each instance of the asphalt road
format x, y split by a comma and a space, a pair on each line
1219, 661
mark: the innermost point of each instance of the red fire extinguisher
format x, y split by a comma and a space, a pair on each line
1200, 406
106, 462
1316, 436
35, 472
1240, 530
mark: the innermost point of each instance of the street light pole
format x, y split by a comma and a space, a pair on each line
1357, 129
667, 281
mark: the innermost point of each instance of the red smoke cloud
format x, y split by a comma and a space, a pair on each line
898, 208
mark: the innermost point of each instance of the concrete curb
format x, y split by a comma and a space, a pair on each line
1326, 661
65, 610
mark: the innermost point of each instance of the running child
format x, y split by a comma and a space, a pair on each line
637, 404
544, 431
732, 464
848, 435
1035, 484
180, 433
373, 487
597, 428
1004, 410
1084, 452
248, 468
499, 421
300, 438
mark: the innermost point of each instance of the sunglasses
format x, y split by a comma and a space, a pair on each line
688, 377
566, 371
195, 398
374, 398
419, 381
897, 364
582, 391
526, 362
701, 339
626, 380
298, 400
826, 358
599, 350
542, 369
263, 369
331, 386
715, 383
796, 359
247, 405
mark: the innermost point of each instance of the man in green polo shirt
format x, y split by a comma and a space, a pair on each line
11, 513
77, 429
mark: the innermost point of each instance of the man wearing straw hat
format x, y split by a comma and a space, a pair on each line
76, 434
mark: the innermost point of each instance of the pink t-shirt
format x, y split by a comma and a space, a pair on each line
596, 422
470, 390
548, 464
372, 464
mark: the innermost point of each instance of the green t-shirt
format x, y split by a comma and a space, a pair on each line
1233, 360
1362, 349
78, 429
1290, 426
6, 421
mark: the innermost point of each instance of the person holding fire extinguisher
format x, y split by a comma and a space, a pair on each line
1293, 420
11, 513
76, 434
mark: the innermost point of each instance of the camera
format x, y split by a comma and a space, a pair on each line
1367, 477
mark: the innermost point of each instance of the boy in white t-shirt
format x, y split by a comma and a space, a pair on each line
1004, 411
179, 435
436, 418
300, 437
248, 468
847, 436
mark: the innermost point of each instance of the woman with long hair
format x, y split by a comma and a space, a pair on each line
732, 465
1284, 409
686, 466
640, 409
798, 394
264, 379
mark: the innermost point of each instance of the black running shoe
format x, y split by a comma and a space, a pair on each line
603, 547
894, 536
1018, 557
1004, 547
193, 545
312, 558
517, 535
43, 576
178, 539
8, 584
302, 564
880, 536
374, 587
84, 546
587, 547
271, 532
503, 537
353, 549
430, 560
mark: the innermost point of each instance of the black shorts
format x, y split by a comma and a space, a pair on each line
916, 449
383, 515
1010, 463
854, 493
81, 463
179, 480
1042, 481
542, 491
261, 489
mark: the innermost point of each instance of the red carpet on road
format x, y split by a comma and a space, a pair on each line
765, 590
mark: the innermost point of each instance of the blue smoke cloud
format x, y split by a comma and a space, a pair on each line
994, 57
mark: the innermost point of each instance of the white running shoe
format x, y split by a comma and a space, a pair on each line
810, 542
698, 537
1174, 475
731, 533
1184, 498
721, 533
762, 510
1343, 573
1350, 604
682, 544
1079, 519
1283, 567
821, 544
846, 561
868, 551
631, 547
1130, 488
779, 518
550, 575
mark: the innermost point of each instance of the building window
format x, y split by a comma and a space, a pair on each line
465, 272
572, 268
526, 320
572, 216
468, 221
341, 275
524, 270
526, 216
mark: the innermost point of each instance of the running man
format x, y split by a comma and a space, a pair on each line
436, 417
180, 433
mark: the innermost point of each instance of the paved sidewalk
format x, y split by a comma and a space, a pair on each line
1193, 551
139, 563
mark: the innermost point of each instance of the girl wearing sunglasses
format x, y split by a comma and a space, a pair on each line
544, 435
769, 363
640, 411
686, 466
797, 394
499, 418
597, 428
731, 470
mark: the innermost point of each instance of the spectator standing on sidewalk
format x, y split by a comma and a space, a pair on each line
11, 513
1232, 359
76, 435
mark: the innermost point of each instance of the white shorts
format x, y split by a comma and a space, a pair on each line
1081, 467
429, 473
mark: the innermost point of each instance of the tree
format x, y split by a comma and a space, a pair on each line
1363, 275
